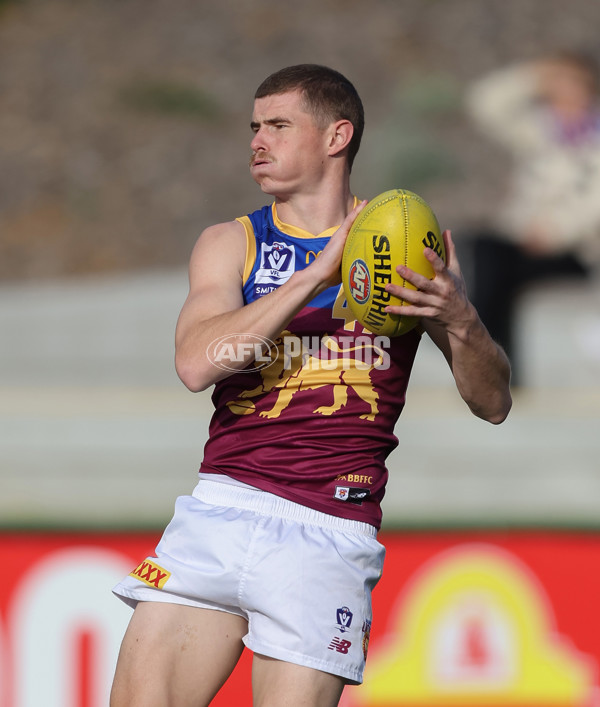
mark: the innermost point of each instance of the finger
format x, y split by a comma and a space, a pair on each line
438, 264
344, 229
411, 310
407, 294
351, 217
333, 251
421, 282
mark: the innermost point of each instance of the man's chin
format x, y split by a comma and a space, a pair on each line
266, 186
270, 187
261, 181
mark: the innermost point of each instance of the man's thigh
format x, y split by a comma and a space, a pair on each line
279, 684
176, 656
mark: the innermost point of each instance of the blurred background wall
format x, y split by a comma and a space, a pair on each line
124, 126
124, 131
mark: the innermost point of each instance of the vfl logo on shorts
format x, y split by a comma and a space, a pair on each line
344, 619
151, 574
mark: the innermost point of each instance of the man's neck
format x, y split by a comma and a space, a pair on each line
315, 213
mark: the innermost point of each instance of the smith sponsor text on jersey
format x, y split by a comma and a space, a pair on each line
326, 406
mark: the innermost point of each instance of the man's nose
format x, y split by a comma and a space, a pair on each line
258, 141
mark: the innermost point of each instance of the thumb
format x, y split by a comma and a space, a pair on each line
451, 257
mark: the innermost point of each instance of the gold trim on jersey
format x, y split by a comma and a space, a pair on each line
288, 229
250, 247
297, 232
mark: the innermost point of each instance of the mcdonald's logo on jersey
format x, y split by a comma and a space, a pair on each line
311, 255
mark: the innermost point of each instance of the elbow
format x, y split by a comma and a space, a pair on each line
194, 386
192, 376
496, 413
495, 406
498, 418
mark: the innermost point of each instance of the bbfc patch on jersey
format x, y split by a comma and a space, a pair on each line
151, 574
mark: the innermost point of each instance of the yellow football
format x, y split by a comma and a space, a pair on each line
393, 229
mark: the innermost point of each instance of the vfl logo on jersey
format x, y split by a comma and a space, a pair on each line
151, 574
340, 645
360, 281
344, 619
277, 263
351, 495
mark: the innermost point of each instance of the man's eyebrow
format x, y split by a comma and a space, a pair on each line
270, 121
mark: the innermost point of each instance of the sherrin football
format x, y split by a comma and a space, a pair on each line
393, 229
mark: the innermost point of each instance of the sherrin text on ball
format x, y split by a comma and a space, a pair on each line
393, 229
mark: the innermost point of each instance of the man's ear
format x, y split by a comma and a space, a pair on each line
340, 134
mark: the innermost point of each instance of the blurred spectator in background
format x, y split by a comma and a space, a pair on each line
547, 114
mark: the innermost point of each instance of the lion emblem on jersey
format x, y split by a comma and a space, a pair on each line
289, 376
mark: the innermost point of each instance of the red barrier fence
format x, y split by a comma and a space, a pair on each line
477, 618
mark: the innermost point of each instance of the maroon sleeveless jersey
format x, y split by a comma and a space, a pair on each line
312, 420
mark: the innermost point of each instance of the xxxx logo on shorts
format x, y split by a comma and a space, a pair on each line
151, 574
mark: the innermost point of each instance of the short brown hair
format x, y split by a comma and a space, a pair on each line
327, 94
582, 61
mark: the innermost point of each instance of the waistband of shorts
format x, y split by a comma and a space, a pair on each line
265, 503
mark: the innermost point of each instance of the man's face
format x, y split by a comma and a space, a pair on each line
288, 150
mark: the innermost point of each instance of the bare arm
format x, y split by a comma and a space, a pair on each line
215, 307
479, 366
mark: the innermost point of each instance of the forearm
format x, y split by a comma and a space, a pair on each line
215, 307
265, 318
480, 367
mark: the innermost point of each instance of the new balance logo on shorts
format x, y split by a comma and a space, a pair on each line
151, 574
340, 645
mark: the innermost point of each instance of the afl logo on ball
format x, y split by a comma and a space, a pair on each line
360, 281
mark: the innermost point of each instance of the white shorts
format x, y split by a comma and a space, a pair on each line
301, 578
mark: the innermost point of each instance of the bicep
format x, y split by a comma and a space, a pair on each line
215, 275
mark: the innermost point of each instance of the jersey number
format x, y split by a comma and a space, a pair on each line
340, 310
